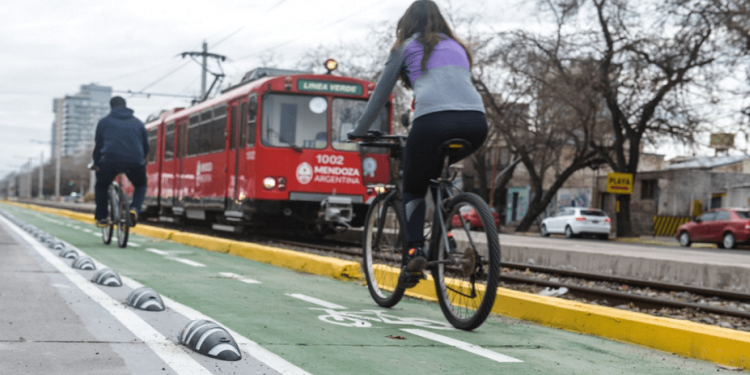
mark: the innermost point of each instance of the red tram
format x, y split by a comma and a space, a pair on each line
271, 150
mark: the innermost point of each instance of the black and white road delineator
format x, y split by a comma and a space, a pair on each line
59, 246
69, 254
107, 277
84, 263
145, 298
210, 339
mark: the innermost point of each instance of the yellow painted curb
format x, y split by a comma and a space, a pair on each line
319, 265
700, 341
201, 241
153, 232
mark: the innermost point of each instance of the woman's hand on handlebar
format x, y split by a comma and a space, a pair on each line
371, 135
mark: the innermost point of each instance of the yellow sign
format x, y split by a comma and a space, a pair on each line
620, 183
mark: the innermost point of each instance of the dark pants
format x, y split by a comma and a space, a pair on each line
106, 174
423, 163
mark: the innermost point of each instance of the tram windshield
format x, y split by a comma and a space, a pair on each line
300, 121
296, 121
344, 116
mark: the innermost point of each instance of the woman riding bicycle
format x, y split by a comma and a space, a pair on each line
430, 60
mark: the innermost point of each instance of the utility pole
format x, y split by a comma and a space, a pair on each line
204, 65
205, 69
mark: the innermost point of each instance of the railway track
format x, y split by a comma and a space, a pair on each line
607, 290
596, 293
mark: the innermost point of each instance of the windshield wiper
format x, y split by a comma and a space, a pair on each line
294, 147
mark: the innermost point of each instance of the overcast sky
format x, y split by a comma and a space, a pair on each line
50, 48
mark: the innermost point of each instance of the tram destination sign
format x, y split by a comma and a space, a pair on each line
329, 87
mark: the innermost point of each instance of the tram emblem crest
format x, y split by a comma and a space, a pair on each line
304, 173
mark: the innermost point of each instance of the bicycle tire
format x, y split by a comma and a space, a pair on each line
109, 229
123, 221
382, 255
467, 291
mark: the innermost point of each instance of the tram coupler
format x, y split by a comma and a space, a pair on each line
337, 210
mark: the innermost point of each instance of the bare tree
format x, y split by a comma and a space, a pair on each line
540, 100
648, 63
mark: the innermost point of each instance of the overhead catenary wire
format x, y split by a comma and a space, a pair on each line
307, 34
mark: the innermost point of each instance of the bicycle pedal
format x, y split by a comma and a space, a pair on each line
410, 279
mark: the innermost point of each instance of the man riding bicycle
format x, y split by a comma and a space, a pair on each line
431, 60
121, 147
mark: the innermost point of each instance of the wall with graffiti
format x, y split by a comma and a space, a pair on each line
573, 197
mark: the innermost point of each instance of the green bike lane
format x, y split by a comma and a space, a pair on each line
325, 326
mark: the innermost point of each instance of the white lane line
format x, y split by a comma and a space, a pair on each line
471, 348
133, 244
97, 234
76, 227
188, 262
238, 277
316, 301
156, 251
168, 351
87, 230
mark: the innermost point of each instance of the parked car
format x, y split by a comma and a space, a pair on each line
726, 227
576, 221
472, 218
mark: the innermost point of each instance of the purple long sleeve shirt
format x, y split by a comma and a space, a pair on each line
444, 86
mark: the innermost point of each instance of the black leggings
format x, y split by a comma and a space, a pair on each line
422, 162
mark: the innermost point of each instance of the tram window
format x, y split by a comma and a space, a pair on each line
204, 133
218, 129
251, 111
182, 140
344, 115
297, 121
169, 142
193, 135
152, 136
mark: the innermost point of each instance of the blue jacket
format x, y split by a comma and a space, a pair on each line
120, 137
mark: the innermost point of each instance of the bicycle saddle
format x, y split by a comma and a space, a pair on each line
454, 147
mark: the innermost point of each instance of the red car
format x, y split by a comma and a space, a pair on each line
472, 218
725, 227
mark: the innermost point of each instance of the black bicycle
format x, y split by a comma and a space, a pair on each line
464, 262
118, 214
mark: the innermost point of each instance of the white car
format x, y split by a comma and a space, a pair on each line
575, 221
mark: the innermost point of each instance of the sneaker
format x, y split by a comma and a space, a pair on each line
133, 217
416, 260
408, 279
102, 223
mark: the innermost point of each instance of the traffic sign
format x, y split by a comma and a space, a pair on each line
620, 183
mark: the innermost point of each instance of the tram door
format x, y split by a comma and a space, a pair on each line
235, 145
242, 155
180, 184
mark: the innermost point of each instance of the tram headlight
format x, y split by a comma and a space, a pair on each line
331, 65
269, 183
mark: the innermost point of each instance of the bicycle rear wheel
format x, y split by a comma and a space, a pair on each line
466, 277
109, 229
123, 221
384, 239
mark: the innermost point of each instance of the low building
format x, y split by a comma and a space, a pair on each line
683, 190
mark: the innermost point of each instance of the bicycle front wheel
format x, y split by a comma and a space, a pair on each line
123, 221
468, 268
384, 239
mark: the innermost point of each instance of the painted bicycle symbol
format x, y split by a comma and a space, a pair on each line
365, 318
